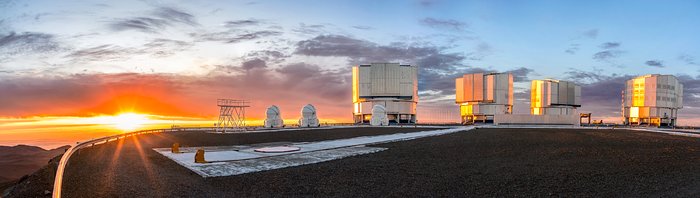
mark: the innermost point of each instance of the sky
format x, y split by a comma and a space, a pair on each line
175, 58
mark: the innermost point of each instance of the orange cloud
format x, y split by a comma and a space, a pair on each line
178, 95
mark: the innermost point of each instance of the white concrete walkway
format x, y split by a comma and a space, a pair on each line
225, 162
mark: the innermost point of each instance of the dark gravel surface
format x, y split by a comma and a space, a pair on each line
130, 168
478, 163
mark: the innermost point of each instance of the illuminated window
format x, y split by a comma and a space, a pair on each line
634, 112
638, 92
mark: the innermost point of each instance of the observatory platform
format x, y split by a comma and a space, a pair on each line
235, 160
512, 161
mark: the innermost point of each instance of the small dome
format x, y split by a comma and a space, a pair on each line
308, 117
274, 117
273, 111
308, 110
378, 109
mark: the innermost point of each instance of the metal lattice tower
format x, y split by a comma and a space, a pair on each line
231, 115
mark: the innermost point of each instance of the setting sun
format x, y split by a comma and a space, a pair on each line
128, 121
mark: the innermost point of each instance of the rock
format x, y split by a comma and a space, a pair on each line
47, 192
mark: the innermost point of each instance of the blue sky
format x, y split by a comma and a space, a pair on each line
595, 43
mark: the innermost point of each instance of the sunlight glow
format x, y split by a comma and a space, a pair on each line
128, 121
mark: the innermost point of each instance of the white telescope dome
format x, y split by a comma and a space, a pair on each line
308, 117
274, 117
379, 117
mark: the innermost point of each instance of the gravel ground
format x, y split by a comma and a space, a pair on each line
482, 162
130, 168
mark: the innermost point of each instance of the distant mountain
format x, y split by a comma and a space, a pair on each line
20, 160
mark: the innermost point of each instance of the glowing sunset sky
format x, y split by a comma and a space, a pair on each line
173, 59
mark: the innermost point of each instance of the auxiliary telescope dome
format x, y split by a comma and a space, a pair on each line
379, 117
274, 117
308, 117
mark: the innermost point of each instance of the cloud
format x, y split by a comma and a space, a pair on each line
143, 24
164, 47
480, 52
90, 94
437, 68
175, 15
268, 55
255, 63
3, 25
687, 59
85, 94
158, 20
610, 45
520, 74
427, 3
101, 53
234, 36
363, 52
655, 63
691, 93
600, 93
13, 44
444, 24
310, 29
609, 52
362, 27
245, 22
157, 48
434, 63
591, 34
573, 48
588, 34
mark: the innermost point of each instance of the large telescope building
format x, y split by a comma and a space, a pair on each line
652, 100
552, 102
554, 97
482, 96
391, 85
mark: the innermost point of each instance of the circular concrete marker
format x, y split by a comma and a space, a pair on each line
277, 149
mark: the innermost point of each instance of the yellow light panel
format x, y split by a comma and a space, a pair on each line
638, 93
634, 112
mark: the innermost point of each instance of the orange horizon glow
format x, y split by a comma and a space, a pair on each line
51, 132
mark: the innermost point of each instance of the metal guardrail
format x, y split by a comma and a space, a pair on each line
58, 180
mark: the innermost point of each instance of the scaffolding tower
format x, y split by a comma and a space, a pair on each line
231, 115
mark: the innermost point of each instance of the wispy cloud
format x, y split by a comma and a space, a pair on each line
313, 29
164, 47
158, 20
591, 34
444, 24
362, 27
655, 63
234, 36
101, 53
610, 51
13, 44
585, 35
427, 3
239, 23
687, 59
143, 24
606, 55
610, 45
175, 15
573, 48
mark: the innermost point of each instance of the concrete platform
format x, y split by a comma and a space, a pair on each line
234, 160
